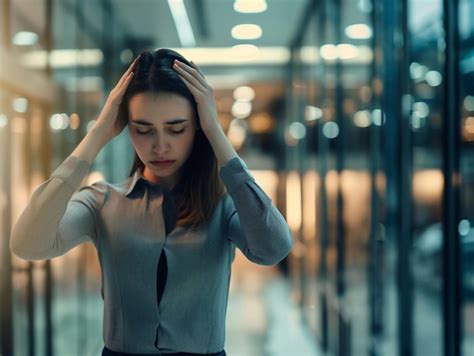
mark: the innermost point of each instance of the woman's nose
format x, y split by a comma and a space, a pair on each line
160, 145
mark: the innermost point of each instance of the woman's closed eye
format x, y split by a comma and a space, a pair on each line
148, 131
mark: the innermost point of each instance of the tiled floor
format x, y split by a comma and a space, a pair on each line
262, 319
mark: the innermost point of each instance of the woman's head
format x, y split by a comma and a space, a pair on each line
163, 122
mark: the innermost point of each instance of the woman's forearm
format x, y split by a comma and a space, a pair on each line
221, 146
90, 146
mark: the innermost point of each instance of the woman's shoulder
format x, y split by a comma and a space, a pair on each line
92, 195
96, 193
104, 185
227, 203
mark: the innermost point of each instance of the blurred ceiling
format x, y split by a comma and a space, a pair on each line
127, 26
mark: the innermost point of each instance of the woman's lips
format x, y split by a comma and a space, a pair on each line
162, 164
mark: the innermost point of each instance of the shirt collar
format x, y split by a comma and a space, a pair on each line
138, 177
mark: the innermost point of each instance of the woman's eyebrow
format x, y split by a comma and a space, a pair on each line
172, 122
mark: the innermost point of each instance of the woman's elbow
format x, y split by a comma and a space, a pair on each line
278, 253
19, 252
17, 248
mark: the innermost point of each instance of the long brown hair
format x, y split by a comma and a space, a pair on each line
200, 187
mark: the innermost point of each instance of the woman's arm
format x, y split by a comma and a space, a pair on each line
255, 225
57, 218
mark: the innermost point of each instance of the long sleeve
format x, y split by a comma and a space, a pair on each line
58, 216
255, 225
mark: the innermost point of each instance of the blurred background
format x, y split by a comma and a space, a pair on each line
355, 116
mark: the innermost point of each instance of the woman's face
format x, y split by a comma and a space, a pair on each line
162, 127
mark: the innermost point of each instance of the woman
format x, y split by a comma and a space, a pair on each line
166, 236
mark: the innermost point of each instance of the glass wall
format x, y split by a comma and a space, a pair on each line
60, 297
424, 97
372, 97
466, 224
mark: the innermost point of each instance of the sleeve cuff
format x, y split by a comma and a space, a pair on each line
72, 171
235, 173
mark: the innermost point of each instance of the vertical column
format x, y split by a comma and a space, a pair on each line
452, 179
6, 15
6, 288
30, 287
108, 68
376, 253
322, 221
343, 319
397, 136
80, 30
45, 160
340, 157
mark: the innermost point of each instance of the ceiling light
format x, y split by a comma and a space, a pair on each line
328, 52
235, 55
433, 78
25, 38
469, 103
241, 108
237, 132
244, 93
59, 121
61, 58
250, 6
181, 20
246, 32
20, 104
421, 108
74, 121
3, 120
362, 118
245, 51
378, 117
297, 130
309, 54
312, 113
365, 6
358, 31
330, 129
347, 51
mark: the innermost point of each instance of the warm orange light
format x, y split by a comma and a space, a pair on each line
293, 201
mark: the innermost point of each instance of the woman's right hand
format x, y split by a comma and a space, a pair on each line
107, 123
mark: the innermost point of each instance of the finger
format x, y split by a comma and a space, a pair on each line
192, 80
196, 67
191, 86
125, 83
184, 68
127, 72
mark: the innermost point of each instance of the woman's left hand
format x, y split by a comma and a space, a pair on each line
203, 94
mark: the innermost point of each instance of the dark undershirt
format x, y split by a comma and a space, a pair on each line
170, 221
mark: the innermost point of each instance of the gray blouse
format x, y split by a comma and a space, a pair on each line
126, 224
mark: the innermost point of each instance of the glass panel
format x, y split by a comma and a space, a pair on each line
466, 225
426, 48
